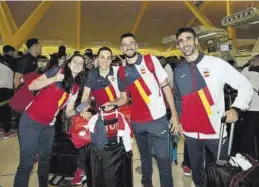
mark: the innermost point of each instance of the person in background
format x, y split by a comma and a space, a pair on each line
61, 51
76, 52
61, 61
36, 128
7, 69
199, 99
9, 55
89, 57
27, 63
250, 138
168, 70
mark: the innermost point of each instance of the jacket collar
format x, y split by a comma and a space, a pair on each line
110, 72
199, 58
138, 61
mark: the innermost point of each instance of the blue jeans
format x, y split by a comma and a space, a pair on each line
34, 139
156, 134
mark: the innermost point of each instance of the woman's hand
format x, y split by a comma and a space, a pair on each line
86, 115
108, 106
59, 76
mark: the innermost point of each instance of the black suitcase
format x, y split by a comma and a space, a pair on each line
112, 166
109, 167
222, 174
63, 157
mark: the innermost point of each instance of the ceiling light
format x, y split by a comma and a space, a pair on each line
254, 22
206, 35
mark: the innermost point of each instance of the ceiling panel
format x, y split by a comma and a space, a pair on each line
21, 10
106, 21
161, 19
58, 24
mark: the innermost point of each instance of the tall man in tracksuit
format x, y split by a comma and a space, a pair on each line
199, 99
148, 116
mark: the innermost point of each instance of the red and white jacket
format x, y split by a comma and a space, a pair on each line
122, 127
144, 88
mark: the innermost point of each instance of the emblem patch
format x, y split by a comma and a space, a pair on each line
142, 70
206, 73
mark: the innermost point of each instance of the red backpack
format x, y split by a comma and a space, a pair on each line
150, 66
80, 136
23, 95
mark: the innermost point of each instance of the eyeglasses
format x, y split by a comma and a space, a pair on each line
132, 44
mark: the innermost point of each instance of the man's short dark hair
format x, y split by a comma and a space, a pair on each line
128, 34
62, 49
184, 29
8, 48
89, 53
76, 52
32, 42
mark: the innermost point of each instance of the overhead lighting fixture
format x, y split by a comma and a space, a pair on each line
206, 35
249, 15
169, 39
254, 22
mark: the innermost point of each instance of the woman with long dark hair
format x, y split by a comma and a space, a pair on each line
58, 88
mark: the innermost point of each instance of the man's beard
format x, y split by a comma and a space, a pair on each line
130, 56
189, 53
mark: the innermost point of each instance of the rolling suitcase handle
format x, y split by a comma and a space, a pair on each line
223, 121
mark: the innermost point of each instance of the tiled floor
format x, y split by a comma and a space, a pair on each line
9, 157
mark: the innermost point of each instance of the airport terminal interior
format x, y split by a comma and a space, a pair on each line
58, 31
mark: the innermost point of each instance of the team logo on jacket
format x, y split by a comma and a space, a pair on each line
142, 70
206, 73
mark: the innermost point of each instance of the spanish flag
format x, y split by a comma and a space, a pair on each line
110, 93
206, 100
143, 90
62, 99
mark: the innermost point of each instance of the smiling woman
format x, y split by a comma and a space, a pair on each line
57, 88
105, 59
103, 82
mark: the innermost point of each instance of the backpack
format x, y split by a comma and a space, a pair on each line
79, 135
150, 66
23, 95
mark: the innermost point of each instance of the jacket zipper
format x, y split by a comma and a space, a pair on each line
194, 85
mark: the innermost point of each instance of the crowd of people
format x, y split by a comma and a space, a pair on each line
187, 93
